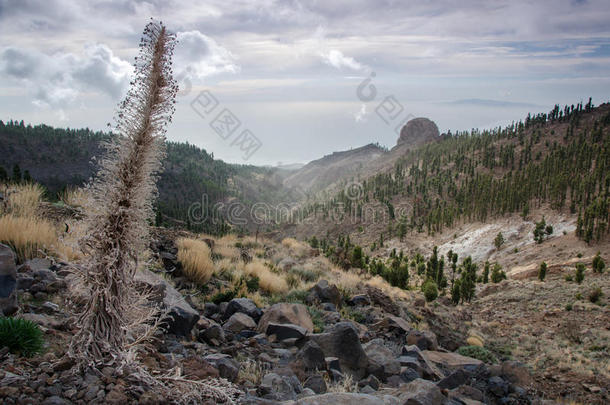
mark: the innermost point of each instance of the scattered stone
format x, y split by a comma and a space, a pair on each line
311, 356
359, 300
382, 363
244, 306
278, 388
324, 292
342, 341
454, 380
370, 381
286, 331
182, 316
316, 383
55, 400
285, 313
425, 340
213, 335
419, 392
238, 322
498, 386
329, 307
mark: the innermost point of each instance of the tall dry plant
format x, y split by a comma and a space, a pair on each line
122, 196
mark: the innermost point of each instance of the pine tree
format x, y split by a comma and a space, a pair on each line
580, 272
542, 271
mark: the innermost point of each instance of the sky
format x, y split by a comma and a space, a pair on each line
304, 78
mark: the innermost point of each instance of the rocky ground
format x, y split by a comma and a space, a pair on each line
329, 348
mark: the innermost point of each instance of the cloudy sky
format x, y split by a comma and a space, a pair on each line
308, 77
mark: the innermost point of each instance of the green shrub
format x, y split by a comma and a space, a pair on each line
598, 264
223, 296
595, 295
316, 318
353, 314
430, 290
477, 352
542, 271
21, 336
569, 277
568, 307
580, 273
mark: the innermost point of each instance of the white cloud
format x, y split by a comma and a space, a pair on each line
360, 115
57, 80
200, 56
338, 60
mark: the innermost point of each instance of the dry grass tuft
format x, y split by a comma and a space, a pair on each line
23, 200
295, 247
347, 384
28, 236
75, 197
268, 281
196, 259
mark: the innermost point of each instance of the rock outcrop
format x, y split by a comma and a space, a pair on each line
416, 132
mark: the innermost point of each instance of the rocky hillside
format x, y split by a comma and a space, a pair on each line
332, 169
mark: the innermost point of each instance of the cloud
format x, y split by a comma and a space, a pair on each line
201, 56
360, 115
56, 80
338, 60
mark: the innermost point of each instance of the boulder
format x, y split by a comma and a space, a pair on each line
425, 340
498, 386
244, 306
382, 363
227, 367
182, 316
324, 292
286, 331
342, 341
214, 334
196, 368
311, 356
450, 361
454, 380
238, 322
279, 388
8, 281
419, 392
316, 383
360, 300
282, 313
425, 367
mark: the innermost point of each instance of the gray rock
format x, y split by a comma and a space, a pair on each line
408, 374
370, 381
420, 392
227, 367
382, 363
244, 306
213, 335
182, 316
329, 307
277, 387
316, 383
24, 281
425, 340
238, 322
342, 341
498, 386
8, 281
454, 380
367, 389
286, 331
311, 356
360, 300
210, 309
324, 292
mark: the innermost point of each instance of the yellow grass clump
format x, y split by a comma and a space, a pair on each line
226, 251
23, 200
75, 197
295, 247
196, 259
28, 236
268, 280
